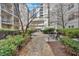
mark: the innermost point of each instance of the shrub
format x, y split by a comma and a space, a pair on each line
48, 30
8, 46
71, 43
73, 32
60, 31
29, 31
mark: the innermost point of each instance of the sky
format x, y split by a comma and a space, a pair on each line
33, 5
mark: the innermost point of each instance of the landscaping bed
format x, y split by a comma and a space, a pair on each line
72, 32
11, 44
71, 46
4, 33
70, 39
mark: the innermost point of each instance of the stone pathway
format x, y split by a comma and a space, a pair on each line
37, 46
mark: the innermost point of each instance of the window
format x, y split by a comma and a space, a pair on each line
3, 5
6, 26
76, 14
41, 9
70, 6
41, 12
71, 17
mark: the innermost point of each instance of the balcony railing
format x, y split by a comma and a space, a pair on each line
6, 8
6, 21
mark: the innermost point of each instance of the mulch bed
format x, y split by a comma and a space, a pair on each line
58, 48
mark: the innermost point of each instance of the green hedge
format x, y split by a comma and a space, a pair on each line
8, 30
73, 32
8, 46
48, 30
30, 31
71, 43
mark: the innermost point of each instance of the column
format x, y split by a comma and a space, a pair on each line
12, 16
0, 15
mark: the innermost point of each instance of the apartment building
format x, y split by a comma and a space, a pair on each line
57, 15
50, 15
53, 18
37, 22
9, 15
40, 17
71, 17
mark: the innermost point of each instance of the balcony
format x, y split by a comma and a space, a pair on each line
6, 21
7, 7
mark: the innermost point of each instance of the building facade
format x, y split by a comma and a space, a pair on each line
47, 16
71, 17
70, 12
40, 17
57, 15
9, 15
53, 15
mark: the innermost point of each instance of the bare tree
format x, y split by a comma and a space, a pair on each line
56, 13
19, 16
60, 14
29, 20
